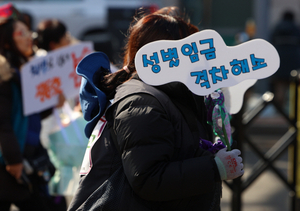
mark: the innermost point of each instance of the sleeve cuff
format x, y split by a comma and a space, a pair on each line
221, 168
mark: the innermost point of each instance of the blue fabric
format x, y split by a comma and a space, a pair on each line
26, 128
34, 129
31, 130
20, 122
92, 100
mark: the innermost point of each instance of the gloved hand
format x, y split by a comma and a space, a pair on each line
229, 164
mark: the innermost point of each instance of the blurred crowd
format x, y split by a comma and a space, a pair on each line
25, 167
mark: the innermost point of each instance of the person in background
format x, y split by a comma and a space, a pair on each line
286, 39
247, 34
27, 19
52, 34
21, 183
153, 159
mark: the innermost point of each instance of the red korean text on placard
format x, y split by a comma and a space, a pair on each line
47, 89
76, 60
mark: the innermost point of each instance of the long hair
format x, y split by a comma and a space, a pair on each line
8, 47
149, 28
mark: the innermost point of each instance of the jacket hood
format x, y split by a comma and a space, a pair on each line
93, 101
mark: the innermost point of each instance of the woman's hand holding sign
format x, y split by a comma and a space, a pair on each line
229, 164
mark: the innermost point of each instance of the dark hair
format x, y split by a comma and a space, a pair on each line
149, 28
288, 15
8, 47
172, 11
51, 30
27, 19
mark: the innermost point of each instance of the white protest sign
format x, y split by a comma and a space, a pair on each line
43, 78
204, 63
234, 95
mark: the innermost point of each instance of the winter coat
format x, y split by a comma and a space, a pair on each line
157, 151
286, 39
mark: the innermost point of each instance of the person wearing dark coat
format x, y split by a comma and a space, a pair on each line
19, 134
286, 39
148, 155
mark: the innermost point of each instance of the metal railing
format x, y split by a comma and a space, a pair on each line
289, 141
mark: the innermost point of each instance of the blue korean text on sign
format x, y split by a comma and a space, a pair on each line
210, 52
204, 63
155, 67
191, 51
42, 67
170, 55
201, 75
213, 72
239, 66
257, 63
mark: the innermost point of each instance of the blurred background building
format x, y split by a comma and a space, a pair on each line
229, 17
105, 22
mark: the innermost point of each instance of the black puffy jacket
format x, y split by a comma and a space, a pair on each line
157, 150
